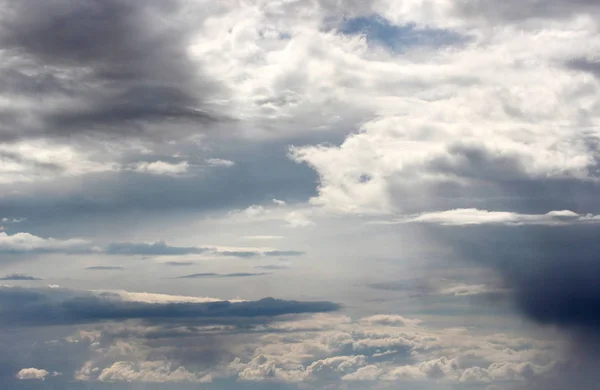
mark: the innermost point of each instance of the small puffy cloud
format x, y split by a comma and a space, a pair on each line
366, 373
219, 162
34, 373
298, 219
12, 220
162, 168
386, 320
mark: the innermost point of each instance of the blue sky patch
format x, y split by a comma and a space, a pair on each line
380, 31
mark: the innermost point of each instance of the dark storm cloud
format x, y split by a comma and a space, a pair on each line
553, 274
119, 64
36, 307
214, 275
553, 271
19, 277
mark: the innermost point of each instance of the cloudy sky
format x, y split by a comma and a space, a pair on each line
299, 194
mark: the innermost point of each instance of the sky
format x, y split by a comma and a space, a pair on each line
299, 194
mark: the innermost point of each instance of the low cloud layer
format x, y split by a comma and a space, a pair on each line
19, 277
214, 275
22, 243
37, 307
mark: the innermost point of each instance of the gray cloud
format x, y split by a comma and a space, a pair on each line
156, 249
239, 253
215, 275
263, 170
113, 60
272, 267
35, 307
554, 276
19, 277
179, 263
516, 11
284, 253
585, 65
104, 268
553, 271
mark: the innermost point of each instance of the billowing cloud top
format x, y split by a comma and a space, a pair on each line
407, 159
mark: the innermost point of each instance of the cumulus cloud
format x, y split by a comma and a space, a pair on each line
34, 373
162, 168
219, 162
155, 371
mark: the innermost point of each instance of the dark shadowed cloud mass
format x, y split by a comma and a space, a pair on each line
19, 277
101, 66
29, 307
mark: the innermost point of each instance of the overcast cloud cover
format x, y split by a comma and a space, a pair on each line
299, 194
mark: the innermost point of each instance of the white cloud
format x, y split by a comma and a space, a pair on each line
12, 220
149, 371
26, 242
162, 298
218, 162
43, 160
162, 168
461, 217
298, 218
35, 373
366, 373
463, 289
